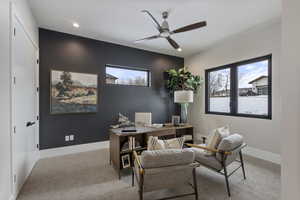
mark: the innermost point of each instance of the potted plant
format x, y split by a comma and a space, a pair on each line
183, 84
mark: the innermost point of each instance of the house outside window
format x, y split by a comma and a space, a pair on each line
110, 79
260, 85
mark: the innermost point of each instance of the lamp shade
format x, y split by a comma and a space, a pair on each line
183, 96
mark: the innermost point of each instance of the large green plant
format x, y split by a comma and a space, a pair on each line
182, 79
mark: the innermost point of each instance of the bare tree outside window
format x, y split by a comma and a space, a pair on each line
219, 90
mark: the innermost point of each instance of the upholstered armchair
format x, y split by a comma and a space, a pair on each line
218, 159
165, 169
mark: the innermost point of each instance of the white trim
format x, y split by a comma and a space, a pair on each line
37, 105
47, 153
12, 197
264, 155
15, 16
11, 104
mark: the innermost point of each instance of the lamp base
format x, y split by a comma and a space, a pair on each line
183, 115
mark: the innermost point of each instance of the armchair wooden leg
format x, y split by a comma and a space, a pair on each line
242, 163
141, 187
226, 179
195, 183
141, 193
132, 177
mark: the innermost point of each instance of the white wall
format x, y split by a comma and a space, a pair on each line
259, 41
289, 76
5, 143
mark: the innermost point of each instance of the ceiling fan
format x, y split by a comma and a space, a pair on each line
164, 29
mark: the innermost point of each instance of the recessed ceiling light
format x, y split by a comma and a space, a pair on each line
179, 49
76, 25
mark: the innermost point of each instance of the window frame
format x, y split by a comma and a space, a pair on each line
129, 68
234, 86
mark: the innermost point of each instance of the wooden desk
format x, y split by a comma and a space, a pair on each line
118, 139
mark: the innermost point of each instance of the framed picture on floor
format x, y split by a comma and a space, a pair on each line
126, 161
72, 92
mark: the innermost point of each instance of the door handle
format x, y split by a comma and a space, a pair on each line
30, 124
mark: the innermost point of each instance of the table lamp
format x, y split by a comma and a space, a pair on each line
183, 97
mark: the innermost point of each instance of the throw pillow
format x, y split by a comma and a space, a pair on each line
175, 143
216, 137
223, 132
155, 144
212, 141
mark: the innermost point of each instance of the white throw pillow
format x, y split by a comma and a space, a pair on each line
175, 143
212, 140
215, 138
223, 132
156, 144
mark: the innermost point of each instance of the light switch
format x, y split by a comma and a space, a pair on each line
67, 138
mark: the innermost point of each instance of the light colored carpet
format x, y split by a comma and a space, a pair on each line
88, 176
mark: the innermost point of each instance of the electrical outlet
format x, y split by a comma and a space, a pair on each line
71, 137
67, 138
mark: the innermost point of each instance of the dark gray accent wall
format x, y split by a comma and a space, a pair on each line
62, 51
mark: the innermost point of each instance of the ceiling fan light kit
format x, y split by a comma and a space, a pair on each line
164, 29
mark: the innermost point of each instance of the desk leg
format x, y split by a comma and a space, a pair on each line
115, 153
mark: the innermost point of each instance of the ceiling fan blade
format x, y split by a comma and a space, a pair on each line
156, 24
147, 38
190, 27
173, 43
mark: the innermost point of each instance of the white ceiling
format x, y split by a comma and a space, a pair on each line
121, 22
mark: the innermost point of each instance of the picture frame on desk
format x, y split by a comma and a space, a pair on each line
126, 161
175, 120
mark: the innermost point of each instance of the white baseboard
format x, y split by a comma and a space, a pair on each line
264, 155
16, 191
47, 153
12, 197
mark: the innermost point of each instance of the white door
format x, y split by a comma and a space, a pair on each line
24, 101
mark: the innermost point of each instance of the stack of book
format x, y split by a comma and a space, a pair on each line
131, 142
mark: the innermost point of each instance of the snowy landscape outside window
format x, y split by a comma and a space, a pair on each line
240, 89
126, 76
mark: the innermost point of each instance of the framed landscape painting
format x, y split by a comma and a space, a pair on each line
73, 92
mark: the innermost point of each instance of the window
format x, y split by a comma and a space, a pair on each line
126, 76
240, 89
219, 90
